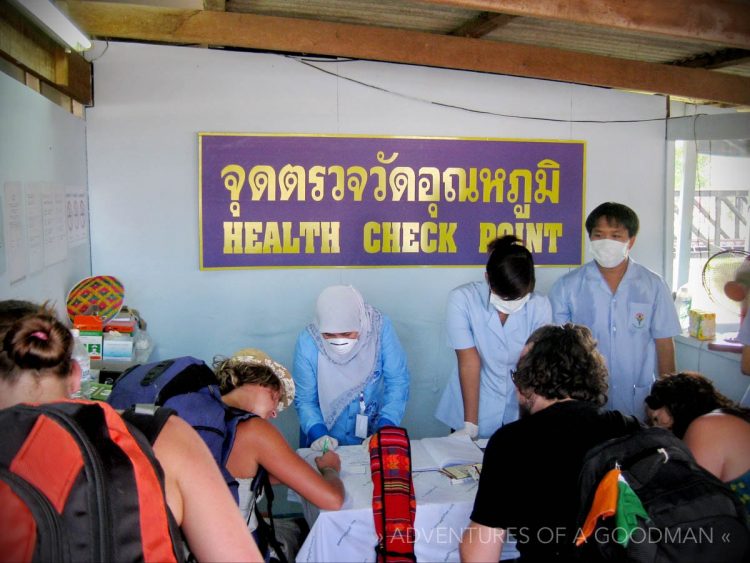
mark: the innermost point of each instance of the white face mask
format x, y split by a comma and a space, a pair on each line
341, 345
609, 253
510, 306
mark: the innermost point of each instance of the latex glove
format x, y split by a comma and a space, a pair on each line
470, 429
325, 443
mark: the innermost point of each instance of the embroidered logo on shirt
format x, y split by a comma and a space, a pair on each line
638, 319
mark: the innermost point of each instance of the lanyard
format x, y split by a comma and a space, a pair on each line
361, 402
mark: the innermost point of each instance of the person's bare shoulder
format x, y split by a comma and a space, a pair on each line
257, 441
717, 423
177, 440
256, 430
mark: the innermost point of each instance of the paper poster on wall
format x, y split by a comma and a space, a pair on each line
34, 226
366, 201
77, 215
15, 241
55, 232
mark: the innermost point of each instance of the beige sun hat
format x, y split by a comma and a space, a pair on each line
259, 357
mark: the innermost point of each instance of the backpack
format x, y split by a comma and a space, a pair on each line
156, 382
78, 483
393, 502
685, 513
187, 385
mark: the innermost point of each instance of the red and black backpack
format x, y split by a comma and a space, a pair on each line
79, 483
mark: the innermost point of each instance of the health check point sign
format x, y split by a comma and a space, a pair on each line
359, 201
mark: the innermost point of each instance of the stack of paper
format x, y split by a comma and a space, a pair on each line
463, 473
432, 454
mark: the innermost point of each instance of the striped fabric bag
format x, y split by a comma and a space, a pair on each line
393, 502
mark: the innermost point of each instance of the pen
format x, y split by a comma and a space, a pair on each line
325, 445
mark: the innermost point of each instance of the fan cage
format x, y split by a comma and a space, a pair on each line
718, 270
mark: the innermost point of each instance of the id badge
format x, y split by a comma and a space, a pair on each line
360, 427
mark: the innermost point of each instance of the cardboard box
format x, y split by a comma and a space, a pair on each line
702, 324
122, 323
90, 327
122, 328
118, 347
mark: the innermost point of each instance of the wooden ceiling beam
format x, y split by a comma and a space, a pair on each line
29, 48
484, 23
721, 22
216, 5
293, 35
716, 59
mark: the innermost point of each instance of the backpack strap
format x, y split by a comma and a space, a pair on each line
150, 425
191, 379
393, 501
265, 533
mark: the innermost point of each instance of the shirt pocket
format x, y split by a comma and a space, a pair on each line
639, 317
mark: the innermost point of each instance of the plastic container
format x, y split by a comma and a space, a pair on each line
81, 355
682, 303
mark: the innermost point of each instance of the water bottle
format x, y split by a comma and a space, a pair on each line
81, 355
682, 303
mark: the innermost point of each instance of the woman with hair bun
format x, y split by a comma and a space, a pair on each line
488, 323
36, 367
35, 360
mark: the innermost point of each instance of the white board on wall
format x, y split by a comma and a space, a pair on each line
42, 168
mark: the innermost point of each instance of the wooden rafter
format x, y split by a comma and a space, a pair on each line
483, 24
200, 27
215, 5
30, 49
723, 22
716, 59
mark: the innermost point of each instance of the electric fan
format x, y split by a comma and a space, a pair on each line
726, 279
720, 278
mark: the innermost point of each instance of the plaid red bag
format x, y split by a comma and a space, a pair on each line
393, 502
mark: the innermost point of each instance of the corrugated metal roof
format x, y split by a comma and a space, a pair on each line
436, 18
385, 13
607, 42
543, 38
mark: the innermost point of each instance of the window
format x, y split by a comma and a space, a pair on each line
711, 214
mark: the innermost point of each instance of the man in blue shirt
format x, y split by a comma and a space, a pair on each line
628, 308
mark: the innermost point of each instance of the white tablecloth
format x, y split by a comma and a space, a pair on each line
348, 534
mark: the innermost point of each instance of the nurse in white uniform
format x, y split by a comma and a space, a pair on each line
488, 323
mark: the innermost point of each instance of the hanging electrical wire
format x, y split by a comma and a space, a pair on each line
313, 62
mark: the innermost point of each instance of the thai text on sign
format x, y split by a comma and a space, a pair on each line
306, 201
